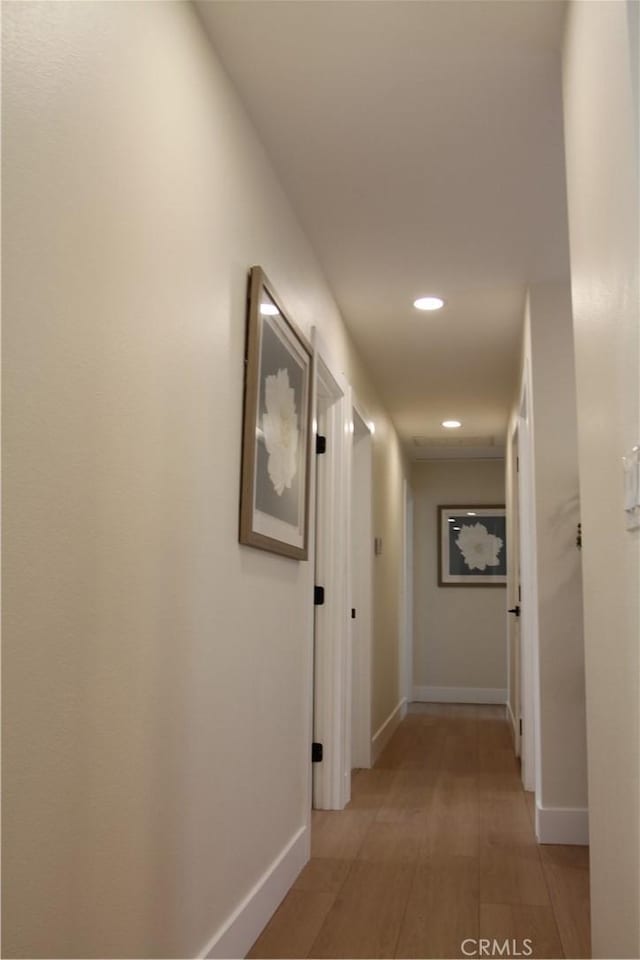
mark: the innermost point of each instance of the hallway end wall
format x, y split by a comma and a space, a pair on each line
601, 109
459, 632
157, 674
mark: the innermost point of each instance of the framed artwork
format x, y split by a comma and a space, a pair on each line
274, 491
472, 544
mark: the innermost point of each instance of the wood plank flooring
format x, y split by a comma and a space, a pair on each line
436, 846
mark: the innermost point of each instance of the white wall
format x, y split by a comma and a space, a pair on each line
548, 363
157, 674
601, 133
459, 632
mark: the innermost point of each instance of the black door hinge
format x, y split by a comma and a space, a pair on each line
353, 613
316, 753
520, 726
517, 464
318, 596
321, 444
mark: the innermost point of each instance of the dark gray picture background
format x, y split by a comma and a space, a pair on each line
276, 357
457, 565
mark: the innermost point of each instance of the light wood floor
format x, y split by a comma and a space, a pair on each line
436, 846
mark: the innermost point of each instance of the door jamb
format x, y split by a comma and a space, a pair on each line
514, 597
530, 688
406, 664
331, 788
364, 605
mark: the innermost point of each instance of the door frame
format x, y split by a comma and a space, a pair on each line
514, 597
331, 778
406, 633
530, 683
361, 594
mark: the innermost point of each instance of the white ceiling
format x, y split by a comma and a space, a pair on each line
421, 145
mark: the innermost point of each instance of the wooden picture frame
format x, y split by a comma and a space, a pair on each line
472, 546
276, 446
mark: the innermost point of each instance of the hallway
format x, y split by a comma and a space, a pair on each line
321, 415
436, 847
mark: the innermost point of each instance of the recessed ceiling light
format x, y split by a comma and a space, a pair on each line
456, 528
428, 303
451, 520
471, 513
451, 424
269, 310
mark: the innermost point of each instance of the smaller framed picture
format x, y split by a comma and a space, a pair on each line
472, 546
274, 488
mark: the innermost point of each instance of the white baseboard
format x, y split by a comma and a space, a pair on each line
459, 695
235, 937
562, 825
382, 736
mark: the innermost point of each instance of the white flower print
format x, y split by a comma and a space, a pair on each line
280, 429
479, 548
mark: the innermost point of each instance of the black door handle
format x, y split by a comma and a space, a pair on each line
515, 610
